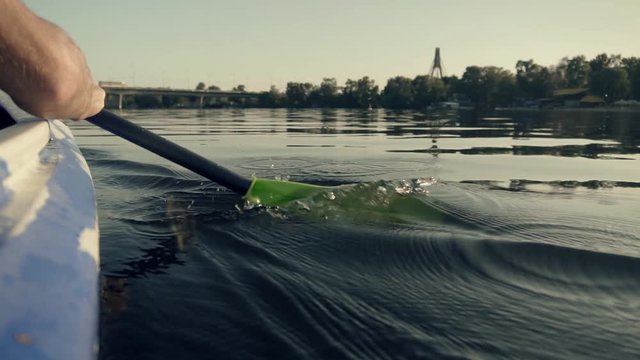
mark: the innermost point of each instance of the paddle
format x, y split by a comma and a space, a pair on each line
261, 191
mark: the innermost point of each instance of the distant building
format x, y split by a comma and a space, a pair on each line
112, 84
570, 97
591, 101
576, 97
627, 103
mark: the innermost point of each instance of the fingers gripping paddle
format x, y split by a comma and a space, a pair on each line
262, 191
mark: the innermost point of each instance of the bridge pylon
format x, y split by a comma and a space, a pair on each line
437, 67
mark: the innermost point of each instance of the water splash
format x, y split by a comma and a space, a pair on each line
387, 201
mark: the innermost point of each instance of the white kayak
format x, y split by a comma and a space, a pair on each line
49, 261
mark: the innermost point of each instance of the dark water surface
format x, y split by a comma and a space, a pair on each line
451, 235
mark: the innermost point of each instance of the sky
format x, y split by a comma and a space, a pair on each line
259, 43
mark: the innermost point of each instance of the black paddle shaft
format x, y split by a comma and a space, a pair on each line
170, 151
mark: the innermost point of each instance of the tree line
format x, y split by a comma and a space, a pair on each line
612, 77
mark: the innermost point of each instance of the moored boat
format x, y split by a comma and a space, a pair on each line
49, 261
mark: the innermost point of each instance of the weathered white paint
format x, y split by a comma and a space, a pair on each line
87, 243
22, 142
49, 252
28, 175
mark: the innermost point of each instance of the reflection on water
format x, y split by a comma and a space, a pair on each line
448, 235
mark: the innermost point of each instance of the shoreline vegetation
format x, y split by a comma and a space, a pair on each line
604, 81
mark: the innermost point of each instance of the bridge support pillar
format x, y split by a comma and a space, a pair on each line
201, 102
120, 96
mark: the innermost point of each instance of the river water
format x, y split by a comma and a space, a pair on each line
455, 234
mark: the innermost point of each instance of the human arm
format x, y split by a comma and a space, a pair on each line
42, 69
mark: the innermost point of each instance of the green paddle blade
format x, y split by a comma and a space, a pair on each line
277, 192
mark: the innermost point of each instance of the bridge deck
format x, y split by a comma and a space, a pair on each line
129, 90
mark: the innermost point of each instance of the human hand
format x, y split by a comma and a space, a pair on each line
42, 69
72, 91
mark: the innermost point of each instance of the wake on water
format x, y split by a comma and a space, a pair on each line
387, 269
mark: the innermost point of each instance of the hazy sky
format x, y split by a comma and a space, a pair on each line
263, 42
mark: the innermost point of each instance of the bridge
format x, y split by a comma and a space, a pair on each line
122, 91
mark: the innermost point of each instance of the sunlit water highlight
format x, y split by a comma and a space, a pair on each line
448, 235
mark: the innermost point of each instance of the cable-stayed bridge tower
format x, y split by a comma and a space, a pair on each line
437, 67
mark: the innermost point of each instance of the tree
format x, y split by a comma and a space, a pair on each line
272, 98
603, 61
367, 93
201, 86
398, 93
558, 75
533, 80
488, 86
499, 86
298, 93
632, 67
327, 93
472, 85
611, 83
427, 90
609, 78
347, 97
213, 88
239, 88
362, 93
453, 85
630, 64
577, 73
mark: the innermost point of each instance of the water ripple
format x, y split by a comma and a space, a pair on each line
530, 261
